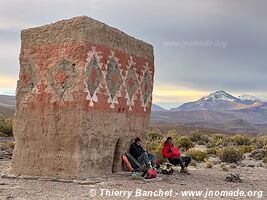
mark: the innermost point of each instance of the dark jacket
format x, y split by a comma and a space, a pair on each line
136, 150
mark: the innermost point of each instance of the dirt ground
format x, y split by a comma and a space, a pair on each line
120, 185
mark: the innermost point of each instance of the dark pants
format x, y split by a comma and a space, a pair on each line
182, 161
146, 158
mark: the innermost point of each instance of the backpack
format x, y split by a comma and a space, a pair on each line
127, 164
150, 173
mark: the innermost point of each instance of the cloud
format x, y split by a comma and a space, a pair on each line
8, 82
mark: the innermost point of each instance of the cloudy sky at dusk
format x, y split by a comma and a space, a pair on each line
200, 46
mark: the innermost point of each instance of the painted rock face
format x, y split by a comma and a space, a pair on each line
93, 75
131, 83
113, 77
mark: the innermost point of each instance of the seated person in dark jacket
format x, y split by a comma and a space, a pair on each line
137, 151
174, 156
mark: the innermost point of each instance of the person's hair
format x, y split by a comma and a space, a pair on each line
168, 138
137, 140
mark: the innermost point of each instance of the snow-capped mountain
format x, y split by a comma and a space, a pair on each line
221, 101
219, 95
247, 97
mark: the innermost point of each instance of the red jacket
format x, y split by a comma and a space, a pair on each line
170, 151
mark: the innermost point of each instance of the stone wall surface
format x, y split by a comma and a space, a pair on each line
84, 89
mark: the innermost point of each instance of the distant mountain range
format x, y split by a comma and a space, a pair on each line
219, 110
222, 101
157, 108
7, 105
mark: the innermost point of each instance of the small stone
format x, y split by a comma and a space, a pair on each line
233, 166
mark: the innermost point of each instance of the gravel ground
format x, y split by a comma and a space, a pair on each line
201, 178
7, 139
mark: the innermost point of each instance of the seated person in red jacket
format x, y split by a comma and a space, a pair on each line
137, 151
174, 156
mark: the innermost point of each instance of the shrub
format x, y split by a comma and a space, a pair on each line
3, 134
183, 142
211, 144
219, 140
240, 140
154, 134
198, 155
199, 138
209, 164
172, 133
260, 142
213, 151
7, 145
245, 149
264, 160
155, 147
6, 125
230, 155
258, 154
217, 137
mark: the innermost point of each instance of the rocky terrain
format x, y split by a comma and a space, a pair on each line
201, 179
210, 174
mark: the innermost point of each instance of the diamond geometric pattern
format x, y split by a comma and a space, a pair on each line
60, 77
131, 82
146, 87
113, 77
93, 75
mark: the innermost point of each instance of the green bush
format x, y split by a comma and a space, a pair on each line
183, 142
219, 140
198, 155
3, 134
155, 147
217, 137
6, 125
245, 149
258, 154
199, 138
209, 164
260, 142
264, 160
154, 134
213, 151
7, 145
230, 155
240, 140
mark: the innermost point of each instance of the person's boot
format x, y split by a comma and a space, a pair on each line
185, 171
149, 166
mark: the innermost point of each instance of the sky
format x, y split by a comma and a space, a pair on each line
200, 46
